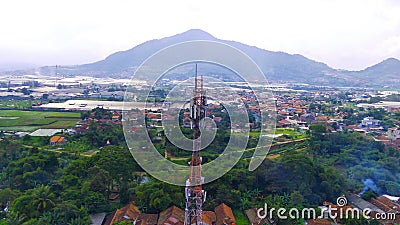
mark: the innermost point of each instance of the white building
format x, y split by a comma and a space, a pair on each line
394, 134
370, 122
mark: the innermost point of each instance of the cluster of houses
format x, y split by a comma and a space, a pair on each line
384, 208
222, 215
83, 126
295, 112
390, 138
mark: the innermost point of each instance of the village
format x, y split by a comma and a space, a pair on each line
85, 103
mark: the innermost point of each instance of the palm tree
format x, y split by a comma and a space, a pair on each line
50, 218
244, 203
43, 198
77, 221
247, 194
256, 193
15, 219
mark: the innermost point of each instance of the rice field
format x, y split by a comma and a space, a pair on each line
18, 120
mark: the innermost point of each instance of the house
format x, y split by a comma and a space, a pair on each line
127, 213
388, 204
385, 204
351, 127
131, 213
224, 215
370, 122
256, 220
394, 134
308, 117
322, 118
357, 202
97, 219
147, 219
82, 128
115, 117
382, 139
57, 140
283, 124
171, 216
209, 218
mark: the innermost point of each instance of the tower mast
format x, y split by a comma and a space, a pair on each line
195, 195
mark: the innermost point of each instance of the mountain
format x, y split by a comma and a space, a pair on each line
277, 66
124, 63
385, 73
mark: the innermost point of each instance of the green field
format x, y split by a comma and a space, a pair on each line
17, 120
16, 104
288, 132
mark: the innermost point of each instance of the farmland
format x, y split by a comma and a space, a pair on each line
16, 120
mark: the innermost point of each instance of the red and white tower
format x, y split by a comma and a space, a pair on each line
195, 195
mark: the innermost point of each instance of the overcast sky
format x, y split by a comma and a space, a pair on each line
345, 34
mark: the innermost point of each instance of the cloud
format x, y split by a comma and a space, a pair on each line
343, 34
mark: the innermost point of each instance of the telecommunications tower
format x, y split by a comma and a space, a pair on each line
195, 195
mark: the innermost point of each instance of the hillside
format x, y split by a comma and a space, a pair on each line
277, 66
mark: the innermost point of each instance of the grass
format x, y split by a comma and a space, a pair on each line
20, 128
34, 141
16, 104
61, 124
288, 132
240, 217
32, 120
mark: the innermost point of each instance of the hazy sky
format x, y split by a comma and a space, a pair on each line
345, 34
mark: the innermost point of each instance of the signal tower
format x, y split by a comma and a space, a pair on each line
194, 193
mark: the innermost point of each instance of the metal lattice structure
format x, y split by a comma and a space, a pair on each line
195, 195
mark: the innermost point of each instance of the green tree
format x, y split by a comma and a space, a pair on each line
296, 199
43, 199
7, 195
368, 195
318, 128
96, 202
15, 219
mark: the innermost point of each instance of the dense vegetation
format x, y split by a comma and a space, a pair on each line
50, 187
359, 159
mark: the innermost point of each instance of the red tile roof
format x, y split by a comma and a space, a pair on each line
383, 203
285, 122
147, 219
382, 138
56, 139
109, 219
171, 216
253, 218
209, 217
129, 213
224, 215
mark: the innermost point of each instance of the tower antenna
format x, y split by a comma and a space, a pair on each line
194, 193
